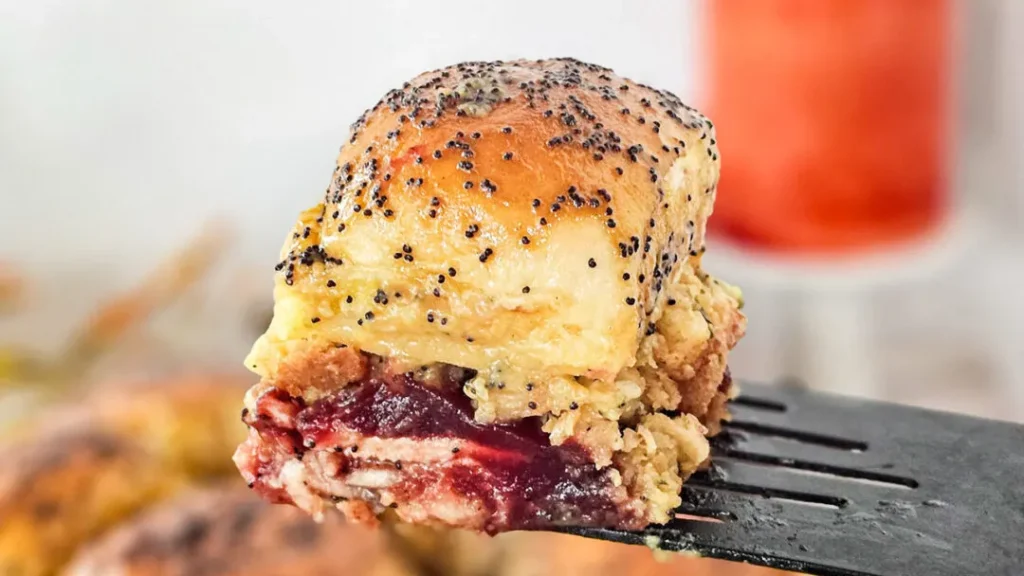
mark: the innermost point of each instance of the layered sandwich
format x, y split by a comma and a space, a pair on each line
496, 318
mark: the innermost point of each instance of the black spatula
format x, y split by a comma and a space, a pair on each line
835, 486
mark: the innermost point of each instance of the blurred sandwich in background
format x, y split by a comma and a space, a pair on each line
72, 472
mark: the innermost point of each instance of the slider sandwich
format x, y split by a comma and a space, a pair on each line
496, 317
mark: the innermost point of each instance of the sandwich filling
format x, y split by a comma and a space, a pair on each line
391, 440
396, 440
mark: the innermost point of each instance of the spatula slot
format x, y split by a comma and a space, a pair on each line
759, 403
772, 493
890, 480
797, 435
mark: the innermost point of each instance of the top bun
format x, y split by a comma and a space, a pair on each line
525, 214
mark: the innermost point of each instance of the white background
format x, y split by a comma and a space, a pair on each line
128, 119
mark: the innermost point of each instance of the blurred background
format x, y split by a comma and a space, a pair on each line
154, 154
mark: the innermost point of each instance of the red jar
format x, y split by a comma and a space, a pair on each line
833, 120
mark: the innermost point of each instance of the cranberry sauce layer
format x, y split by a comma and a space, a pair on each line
427, 457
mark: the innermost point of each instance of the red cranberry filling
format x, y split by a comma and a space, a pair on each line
508, 467
401, 407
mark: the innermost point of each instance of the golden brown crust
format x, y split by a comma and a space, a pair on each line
695, 358
83, 469
698, 391
321, 370
536, 103
718, 409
